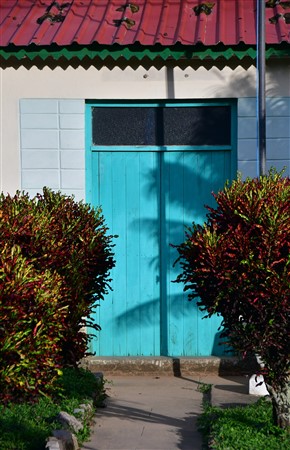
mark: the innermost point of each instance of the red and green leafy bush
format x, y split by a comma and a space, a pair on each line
66, 248
238, 265
31, 327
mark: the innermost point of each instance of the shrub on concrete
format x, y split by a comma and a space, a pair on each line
31, 328
238, 264
66, 243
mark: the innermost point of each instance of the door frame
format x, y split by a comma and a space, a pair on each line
91, 149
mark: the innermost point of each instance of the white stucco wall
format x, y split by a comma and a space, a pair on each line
80, 84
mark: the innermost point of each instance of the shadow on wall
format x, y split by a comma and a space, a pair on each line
241, 82
236, 84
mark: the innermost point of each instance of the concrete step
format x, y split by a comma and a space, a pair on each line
164, 365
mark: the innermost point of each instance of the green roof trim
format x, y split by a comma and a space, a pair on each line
176, 52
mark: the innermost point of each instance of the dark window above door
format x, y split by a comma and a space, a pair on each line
168, 125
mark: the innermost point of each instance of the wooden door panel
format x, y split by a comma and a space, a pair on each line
130, 314
189, 178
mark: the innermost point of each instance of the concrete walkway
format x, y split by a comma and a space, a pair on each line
159, 413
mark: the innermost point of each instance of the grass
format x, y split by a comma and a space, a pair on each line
26, 426
204, 388
243, 428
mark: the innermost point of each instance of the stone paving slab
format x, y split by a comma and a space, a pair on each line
159, 413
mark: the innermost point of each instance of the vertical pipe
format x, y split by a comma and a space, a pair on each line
261, 109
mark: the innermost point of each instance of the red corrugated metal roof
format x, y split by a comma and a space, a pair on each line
64, 22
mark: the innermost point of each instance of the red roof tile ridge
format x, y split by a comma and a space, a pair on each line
149, 22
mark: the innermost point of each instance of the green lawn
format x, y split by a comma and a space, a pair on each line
26, 426
242, 428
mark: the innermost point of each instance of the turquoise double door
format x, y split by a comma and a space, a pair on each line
149, 195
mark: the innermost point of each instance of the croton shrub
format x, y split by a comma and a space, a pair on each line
32, 325
54, 266
238, 265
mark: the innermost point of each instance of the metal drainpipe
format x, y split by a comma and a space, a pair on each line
261, 109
